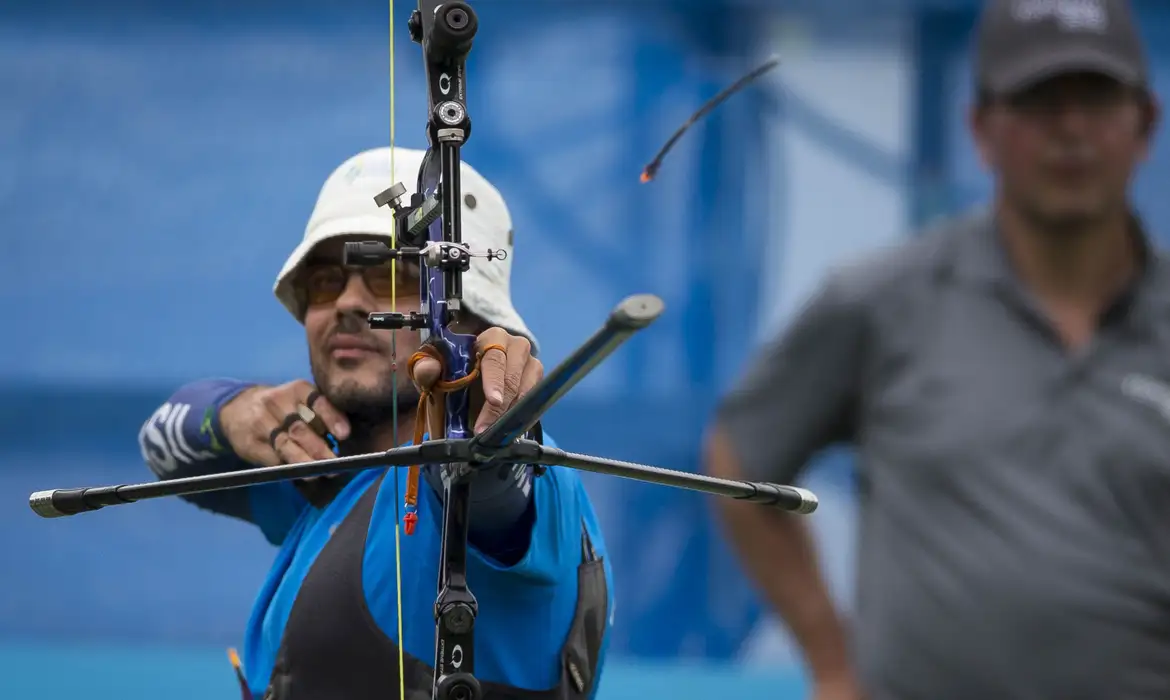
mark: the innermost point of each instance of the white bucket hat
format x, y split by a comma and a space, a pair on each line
346, 207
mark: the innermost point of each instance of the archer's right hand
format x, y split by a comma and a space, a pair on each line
259, 424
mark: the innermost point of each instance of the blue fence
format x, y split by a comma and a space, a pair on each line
158, 169
159, 161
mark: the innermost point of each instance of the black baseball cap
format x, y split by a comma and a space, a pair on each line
1023, 42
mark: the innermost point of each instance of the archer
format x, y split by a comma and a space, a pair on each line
326, 621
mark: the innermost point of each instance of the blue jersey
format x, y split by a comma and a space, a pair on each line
525, 609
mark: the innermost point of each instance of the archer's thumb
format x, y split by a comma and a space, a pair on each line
426, 372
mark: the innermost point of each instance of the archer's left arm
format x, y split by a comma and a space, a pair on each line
502, 510
558, 545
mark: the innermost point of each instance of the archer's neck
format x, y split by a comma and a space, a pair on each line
1086, 267
380, 438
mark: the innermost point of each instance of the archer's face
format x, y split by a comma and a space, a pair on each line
352, 365
1065, 150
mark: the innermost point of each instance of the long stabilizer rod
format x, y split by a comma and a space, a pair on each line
497, 445
62, 502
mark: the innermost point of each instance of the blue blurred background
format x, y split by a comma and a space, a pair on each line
159, 159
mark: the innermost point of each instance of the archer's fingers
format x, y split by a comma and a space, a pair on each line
309, 441
519, 357
258, 450
334, 419
530, 376
426, 373
262, 454
290, 451
514, 363
533, 373
297, 442
487, 415
493, 366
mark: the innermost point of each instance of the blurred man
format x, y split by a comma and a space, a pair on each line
1006, 381
325, 624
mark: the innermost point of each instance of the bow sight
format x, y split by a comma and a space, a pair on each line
428, 231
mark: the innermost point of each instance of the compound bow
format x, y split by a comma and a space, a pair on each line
428, 232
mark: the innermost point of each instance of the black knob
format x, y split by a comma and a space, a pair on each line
459, 619
366, 253
457, 19
391, 320
455, 27
414, 26
458, 686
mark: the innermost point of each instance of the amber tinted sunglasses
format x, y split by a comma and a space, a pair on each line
323, 283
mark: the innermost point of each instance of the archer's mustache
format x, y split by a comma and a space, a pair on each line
355, 325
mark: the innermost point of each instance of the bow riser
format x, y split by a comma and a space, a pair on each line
445, 32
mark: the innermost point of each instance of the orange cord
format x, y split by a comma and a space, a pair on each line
425, 398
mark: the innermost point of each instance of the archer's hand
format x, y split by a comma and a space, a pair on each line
252, 420
505, 375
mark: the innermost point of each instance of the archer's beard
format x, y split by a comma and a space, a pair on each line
370, 406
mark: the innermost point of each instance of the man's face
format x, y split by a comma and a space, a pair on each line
1064, 150
352, 365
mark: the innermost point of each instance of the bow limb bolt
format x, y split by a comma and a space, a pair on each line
428, 232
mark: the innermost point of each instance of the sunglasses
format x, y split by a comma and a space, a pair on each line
323, 283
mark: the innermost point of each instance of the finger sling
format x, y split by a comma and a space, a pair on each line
304, 414
426, 399
284, 425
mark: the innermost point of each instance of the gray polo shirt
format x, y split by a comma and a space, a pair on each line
1015, 497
